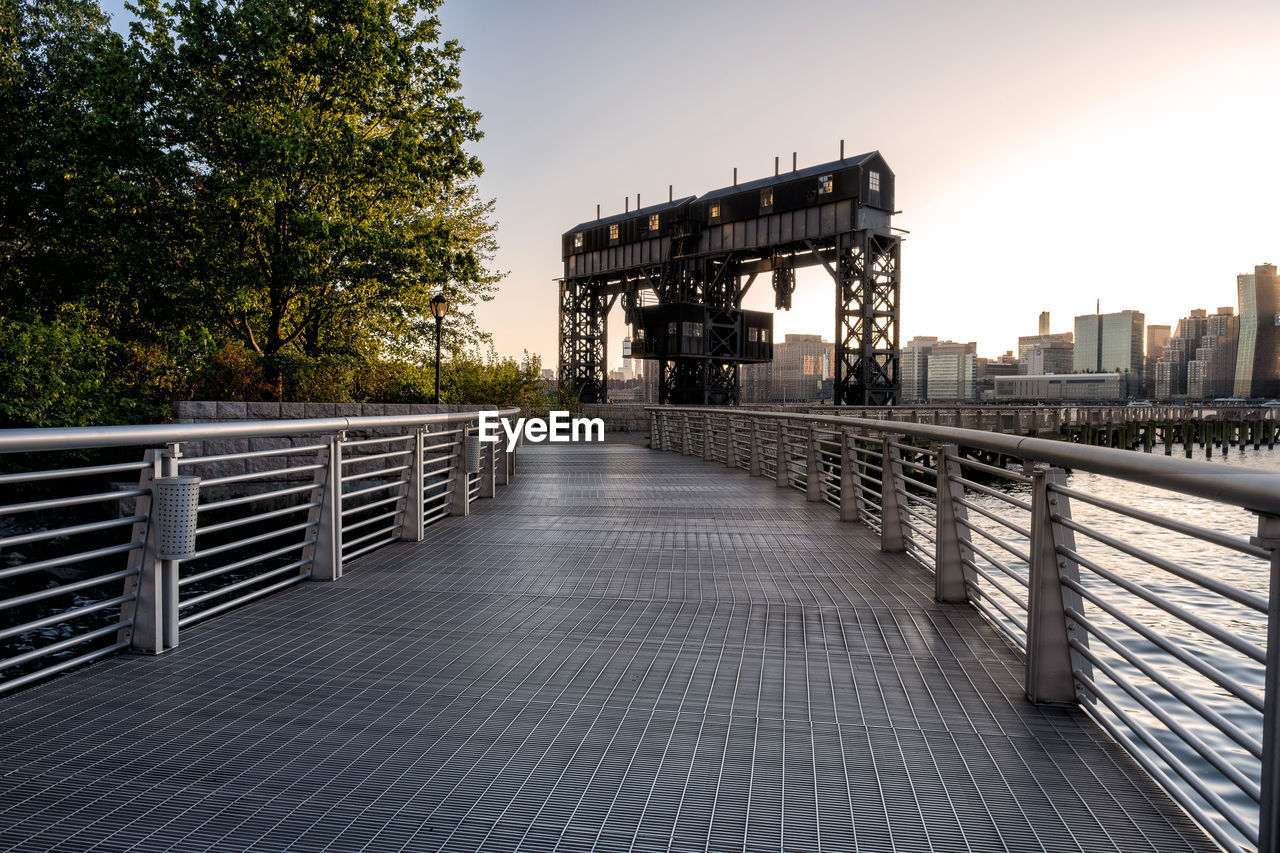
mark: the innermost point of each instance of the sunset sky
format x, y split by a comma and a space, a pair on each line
1047, 154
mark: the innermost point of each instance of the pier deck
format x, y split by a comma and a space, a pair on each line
627, 651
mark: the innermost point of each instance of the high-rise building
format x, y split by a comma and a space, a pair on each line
800, 364
1042, 354
952, 372
1157, 340
1044, 323
1258, 352
1171, 378
914, 368
1211, 373
1110, 343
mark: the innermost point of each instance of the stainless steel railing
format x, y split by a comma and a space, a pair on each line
82, 575
1161, 621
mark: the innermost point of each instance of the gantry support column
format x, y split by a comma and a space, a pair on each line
584, 325
867, 290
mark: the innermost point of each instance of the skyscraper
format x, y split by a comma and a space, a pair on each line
1258, 352
1044, 323
1110, 343
915, 368
1157, 340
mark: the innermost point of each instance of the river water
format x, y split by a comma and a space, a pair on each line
1242, 571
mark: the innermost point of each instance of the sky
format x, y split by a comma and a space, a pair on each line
1047, 155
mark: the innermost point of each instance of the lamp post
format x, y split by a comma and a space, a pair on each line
439, 307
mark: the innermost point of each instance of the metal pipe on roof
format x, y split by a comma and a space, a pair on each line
735, 176
793, 161
841, 150
775, 166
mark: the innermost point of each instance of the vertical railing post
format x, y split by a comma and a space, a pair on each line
851, 499
755, 446
411, 523
169, 607
951, 536
1269, 819
328, 548
1049, 676
730, 443
708, 444
782, 470
502, 463
892, 538
813, 466
145, 611
461, 503
686, 446
655, 442
488, 462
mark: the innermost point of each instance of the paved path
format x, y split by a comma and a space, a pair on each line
626, 651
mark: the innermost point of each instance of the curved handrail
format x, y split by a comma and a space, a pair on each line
1252, 490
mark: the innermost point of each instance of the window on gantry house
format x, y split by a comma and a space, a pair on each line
715, 210
577, 240
653, 222
873, 182
671, 329
613, 231
826, 184
766, 197
753, 334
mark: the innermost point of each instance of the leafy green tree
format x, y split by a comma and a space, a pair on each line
331, 186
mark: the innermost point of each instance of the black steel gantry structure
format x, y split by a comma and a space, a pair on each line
696, 257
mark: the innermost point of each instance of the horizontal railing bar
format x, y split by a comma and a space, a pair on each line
251, 454
1221, 723
1003, 473
1209, 671
61, 645
240, 584
915, 513
54, 592
361, 442
999, 519
1176, 526
922, 533
372, 520
372, 547
1255, 490
916, 466
391, 454
1240, 596
372, 505
244, 599
367, 490
381, 472
365, 538
24, 477
1208, 753
1007, 570
995, 540
450, 446
994, 493
261, 496
68, 559
63, 665
449, 466
247, 561
66, 615
250, 519
906, 480
91, 527
428, 519
258, 475
78, 500
1170, 760
1218, 633
252, 540
1018, 642
148, 435
981, 598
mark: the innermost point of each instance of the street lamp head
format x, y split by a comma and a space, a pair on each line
439, 306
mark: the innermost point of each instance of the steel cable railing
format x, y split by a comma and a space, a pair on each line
1122, 609
82, 573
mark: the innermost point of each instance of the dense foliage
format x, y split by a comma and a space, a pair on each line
245, 200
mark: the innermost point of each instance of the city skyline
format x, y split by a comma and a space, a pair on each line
1080, 143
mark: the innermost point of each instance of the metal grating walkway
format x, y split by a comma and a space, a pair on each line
626, 651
